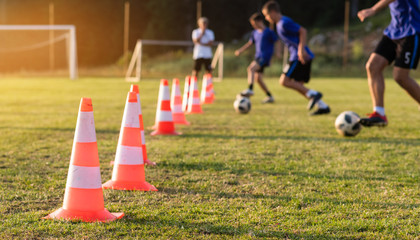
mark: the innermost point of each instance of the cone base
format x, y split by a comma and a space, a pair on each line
179, 118
157, 132
126, 185
195, 112
185, 122
84, 216
207, 101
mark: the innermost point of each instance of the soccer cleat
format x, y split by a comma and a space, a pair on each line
321, 111
313, 100
374, 119
247, 93
268, 99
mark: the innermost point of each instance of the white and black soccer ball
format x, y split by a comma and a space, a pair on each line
347, 124
242, 105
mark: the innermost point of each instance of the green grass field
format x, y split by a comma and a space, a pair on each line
273, 173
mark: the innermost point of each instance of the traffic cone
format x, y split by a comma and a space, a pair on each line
207, 91
135, 88
128, 173
83, 198
164, 123
186, 93
176, 104
194, 105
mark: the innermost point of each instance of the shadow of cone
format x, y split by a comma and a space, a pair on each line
128, 172
164, 123
176, 104
83, 198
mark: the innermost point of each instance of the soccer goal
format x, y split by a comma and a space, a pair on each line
134, 68
31, 47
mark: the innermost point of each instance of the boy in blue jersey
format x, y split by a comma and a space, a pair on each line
299, 68
263, 38
400, 43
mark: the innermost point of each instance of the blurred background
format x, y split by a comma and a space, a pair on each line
107, 31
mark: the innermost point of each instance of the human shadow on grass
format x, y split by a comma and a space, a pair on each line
405, 141
98, 130
334, 201
210, 229
221, 166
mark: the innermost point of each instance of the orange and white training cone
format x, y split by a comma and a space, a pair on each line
194, 105
135, 88
176, 104
186, 93
83, 199
207, 91
128, 173
164, 124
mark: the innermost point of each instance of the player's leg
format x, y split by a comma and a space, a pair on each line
402, 77
207, 65
295, 76
374, 68
252, 68
197, 66
383, 55
259, 77
407, 59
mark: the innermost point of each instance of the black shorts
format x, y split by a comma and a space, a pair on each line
262, 63
404, 51
298, 71
202, 61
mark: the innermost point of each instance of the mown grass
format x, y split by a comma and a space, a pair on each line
274, 173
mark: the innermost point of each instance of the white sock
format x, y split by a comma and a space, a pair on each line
310, 93
321, 104
380, 110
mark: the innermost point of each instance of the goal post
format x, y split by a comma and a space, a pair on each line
69, 37
135, 66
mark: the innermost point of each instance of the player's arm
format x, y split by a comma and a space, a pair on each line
368, 12
243, 48
197, 39
302, 54
210, 43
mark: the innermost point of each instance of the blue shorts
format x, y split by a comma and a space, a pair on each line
405, 52
263, 63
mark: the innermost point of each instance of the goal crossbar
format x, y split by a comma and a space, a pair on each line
136, 59
72, 46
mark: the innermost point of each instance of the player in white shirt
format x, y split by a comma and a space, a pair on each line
203, 39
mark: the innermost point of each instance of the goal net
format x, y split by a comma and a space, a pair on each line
38, 48
134, 71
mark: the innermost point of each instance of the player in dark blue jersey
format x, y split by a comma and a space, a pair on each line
299, 68
264, 39
400, 43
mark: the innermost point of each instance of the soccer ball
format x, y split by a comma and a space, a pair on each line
347, 124
242, 105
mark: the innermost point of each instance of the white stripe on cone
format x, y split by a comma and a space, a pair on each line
143, 139
177, 109
185, 97
86, 128
84, 177
204, 89
139, 103
164, 94
131, 116
196, 101
164, 116
127, 155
